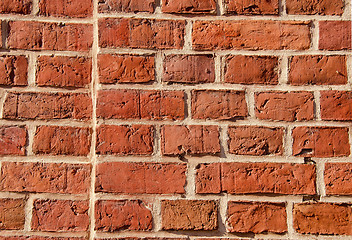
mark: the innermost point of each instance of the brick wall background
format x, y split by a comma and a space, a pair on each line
175, 119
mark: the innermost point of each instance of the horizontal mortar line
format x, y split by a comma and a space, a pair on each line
11, 233
49, 122
49, 196
32, 18
336, 199
9, 52
38, 89
47, 159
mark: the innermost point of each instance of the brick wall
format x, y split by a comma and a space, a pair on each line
175, 119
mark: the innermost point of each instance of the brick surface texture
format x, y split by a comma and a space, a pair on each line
175, 119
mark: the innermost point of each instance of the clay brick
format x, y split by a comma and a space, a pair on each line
58, 140
141, 33
284, 106
338, 178
111, 216
320, 142
45, 106
254, 178
12, 214
13, 140
256, 217
16, 6
40, 238
189, 215
13, 71
110, 6
248, 7
258, 141
66, 8
126, 68
192, 69
141, 104
223, 35
322, 7
189, 6
322, 218
62, 71
335, 35
60, 215
193, 140
30, 35
336, 105
251, 70
219, 105
125, 140
318, 70
150, 178
45, 177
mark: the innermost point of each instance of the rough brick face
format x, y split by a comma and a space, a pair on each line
322, 7
66, 8
337, 178
13, 140
16, 6
13, 70
12, 216
248, 7
189, 6
126, 6
336, 105
335, 35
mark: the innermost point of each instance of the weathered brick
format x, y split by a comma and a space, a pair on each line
58, 140
150, 178
318, 70
45, 177
189, 6
141, 33
189, 215
338, 178
191, 69
13, 140
252, 140
222, 35
322, 218
60, 215
125, 140
49, 36
63, 71
256, 217
248, 7
39, 105
141, 104
13, 71
111, 216
109, 6
335, 35
320, 142
12, 216
336, 105
66, 8
16, 6
322, 7
193, 139
126, 68
40, 238
284, 106
251, 70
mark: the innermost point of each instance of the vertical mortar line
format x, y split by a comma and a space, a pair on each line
349, 70
288, 143
188, 35
283, 69
28, 213
317, 105
350, 139
159, 59
221, 5
320, 167
157, 143
289, 212
158, 4
157, 214
250, 99
191, 180
218, 67
32, 68
188, 99
31, 133
347, 11
3, 94
315, 35
282, 8
35, 7
223, 202
223, 142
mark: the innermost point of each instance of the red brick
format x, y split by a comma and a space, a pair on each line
12, 216
193, 139
62, 71
49, 36
141, 33
252, 140
318, 70
126, 68
118, 215
256, 217
141, 104
219, 105
191, 69
248, 7
40, 238
125, 140
13, 70
58, 140
189, 215
189, 6
322, 7
60, 215
110, 6
150, 178
335, 35
39, 105
336, 105
284, 106
45, 177
256, 178
338, 178
66, 8
320, 142
17, 6
222, 35
251, 70
322, 218
13, 140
